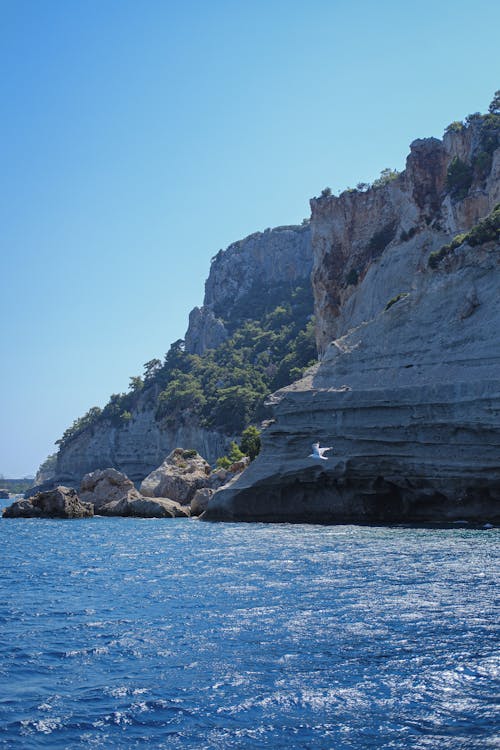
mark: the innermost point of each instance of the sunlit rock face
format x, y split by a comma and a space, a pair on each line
387, 232
255, 263
408, 388
135, 448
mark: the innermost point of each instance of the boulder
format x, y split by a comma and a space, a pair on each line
61, 502
105, 486
4, 494
200, 501
179, 476
218, 477
142, 507
239, 466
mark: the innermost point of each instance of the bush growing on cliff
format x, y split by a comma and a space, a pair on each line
459, 178
250, 442
486, 230
455, 127
234, 455
80, 424
494, 108
386, 175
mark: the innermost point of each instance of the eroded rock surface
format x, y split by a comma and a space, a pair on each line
411, 403
200, 501
179, 476
105, 486
408, 391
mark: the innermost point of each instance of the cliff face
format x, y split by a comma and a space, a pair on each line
139, 445
385, 232
408, 391
255, 263
135, 448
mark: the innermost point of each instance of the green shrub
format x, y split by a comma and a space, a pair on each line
395, 299
454, 127
190, 453
486, 230
234, 455
387, 175
250, 442
494, 107
459, 178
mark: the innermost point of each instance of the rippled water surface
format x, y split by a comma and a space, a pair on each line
124, 633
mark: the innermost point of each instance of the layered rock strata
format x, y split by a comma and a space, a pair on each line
408, 392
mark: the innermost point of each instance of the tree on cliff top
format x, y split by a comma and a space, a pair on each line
494, 108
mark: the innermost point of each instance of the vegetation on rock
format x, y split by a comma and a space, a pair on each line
395, 299
271, 343
486, 230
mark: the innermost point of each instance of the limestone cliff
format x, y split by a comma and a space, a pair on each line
129, 434
386, 231
408, 389
256, 263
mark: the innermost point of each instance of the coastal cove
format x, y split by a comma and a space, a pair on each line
122, 632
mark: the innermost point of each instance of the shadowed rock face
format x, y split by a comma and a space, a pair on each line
408, 393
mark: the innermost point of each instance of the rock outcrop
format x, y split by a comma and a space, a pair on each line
106, 486
4, 494
61, 502
368, 246
144, 507
200, 501
408, 391
259, 261
136, 447
178, 477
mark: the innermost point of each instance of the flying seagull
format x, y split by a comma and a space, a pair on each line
317, 452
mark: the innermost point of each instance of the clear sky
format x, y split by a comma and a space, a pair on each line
138, 138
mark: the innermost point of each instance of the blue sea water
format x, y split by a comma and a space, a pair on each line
129, 633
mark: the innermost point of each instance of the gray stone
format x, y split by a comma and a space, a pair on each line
200, 501
142, 507
408, 394
105, 486
62, 502
178, 477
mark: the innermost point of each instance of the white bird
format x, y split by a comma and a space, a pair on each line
317, 452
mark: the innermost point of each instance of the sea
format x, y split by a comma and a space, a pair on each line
174, 633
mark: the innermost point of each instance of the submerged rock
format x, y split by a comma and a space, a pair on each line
144, 507
179, 476
61, 502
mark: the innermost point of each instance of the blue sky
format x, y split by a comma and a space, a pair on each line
138, 138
